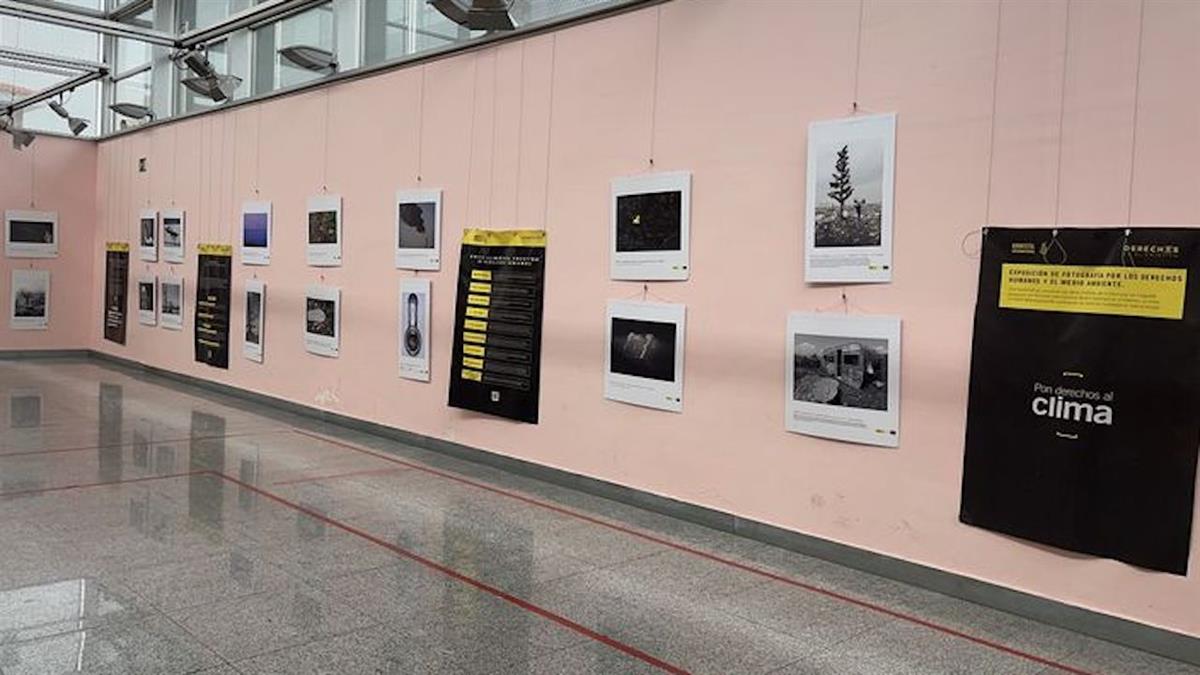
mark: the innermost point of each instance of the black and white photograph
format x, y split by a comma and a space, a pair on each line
843, 377
24, 409
414, 329
147, 301
418, 229
651, 223
173, 235
324, 231
256, 296
644, 362
256, 233
30, 234
29, 308
849, 200
171, 292
322, 320
148, 236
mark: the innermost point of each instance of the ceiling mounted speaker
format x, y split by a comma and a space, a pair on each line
309, 57
477, 14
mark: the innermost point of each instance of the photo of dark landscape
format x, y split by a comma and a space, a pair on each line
651, 221
842, 371
416, 222
320, 317
849, 194
32, 232
254, 230
322, 227
253, 317
30, 302
172, 233
172, 300
147, 232
145, 296
643, 349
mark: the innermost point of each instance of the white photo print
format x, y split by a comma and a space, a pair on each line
148, 301
843, 377
256, 305
148, 235
324, 231
171, 305
650, 232
644, 354
848, 217
414, 329
418, 226
174, 236
322, 320
31, 234
29, 306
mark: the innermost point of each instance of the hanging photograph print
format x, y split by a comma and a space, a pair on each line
214, 270
418, 229
148, 301
148, 236
496, 362
173, 239
323, 320
256, 233
31, 234
843, 377
848, 224
29, 307
256, 302
1082, 429
116, 291
171, 306
644, 357
414, 330
651, 227
324, 231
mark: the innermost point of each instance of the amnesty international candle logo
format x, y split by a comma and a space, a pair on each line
1081, 424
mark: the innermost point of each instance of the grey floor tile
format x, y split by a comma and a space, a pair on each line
379, 651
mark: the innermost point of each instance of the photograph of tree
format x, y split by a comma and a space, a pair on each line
320, 317
416, 222
849, 204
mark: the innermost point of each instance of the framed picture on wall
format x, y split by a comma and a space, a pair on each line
148, 236
171, 306
651, 227
644, 360
29, 306
848, 212
418, 229
324, 231
322, 320
31, 234
173, 235
414, 330
256, 233
147, 300
256, 305
843, 377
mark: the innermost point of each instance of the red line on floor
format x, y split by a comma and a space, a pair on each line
347, 474
709, 556
82, 486
450, 572
26, 453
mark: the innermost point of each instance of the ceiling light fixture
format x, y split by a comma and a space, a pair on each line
206, 81
310, 58
21, 138
477, 14
75, 124
134, 111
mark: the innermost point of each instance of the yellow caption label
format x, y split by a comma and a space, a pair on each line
474, 350
481, 275
473, 324
474, 337
1147, 292
479, 287
473, 375
477, 312
475, 237
472, 363
117, 246
215, 249
479, 300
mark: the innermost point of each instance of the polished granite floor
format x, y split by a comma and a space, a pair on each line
148, 527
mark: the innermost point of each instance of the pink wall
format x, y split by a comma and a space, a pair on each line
53, 174
529, 134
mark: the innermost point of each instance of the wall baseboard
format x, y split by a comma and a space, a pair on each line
18, 354
1147, 638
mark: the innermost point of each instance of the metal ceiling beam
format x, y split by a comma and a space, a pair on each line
47, 94
59, 62
129, 10
258, 14
38, 12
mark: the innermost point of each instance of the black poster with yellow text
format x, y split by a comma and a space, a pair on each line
116, 291
497, 358
1082, 421
213, 272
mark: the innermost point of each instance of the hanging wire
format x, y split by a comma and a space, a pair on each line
1062, 111
492, 155
654, 83
862, 10
520, 135
1137, 85
549, 133
421, 124
987, 200
471, 135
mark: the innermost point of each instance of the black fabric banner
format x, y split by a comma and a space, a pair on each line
212, 304
498, 323
1082, 425
116, 291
